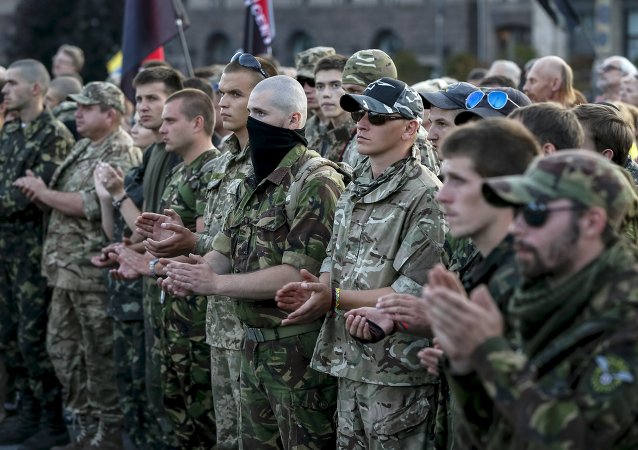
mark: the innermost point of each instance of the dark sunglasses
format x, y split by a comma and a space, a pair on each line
374, 118
496, 99
535, 214
304, 80
248, 61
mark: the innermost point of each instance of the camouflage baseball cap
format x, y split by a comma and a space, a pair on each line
365, 66
305, 61
386, 96
100, 93
452, 97
579, 175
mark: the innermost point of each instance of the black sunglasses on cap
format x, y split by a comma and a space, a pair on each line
374, 118
248, 61
535, 214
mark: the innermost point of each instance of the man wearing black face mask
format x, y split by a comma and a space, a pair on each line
282, 223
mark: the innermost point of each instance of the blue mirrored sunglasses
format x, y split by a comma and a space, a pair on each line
248, 61
496, 99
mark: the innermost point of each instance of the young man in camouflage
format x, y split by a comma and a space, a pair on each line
222, 175
305, 64
38, 143
361, 69
571, 383
388, 233
79, 332
280, 224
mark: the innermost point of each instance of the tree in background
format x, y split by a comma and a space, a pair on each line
40, 27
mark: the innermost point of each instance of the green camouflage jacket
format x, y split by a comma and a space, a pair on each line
632, 168
39, 146
71, 241
388, 232
333, 141
313, 129
222, 175
258, 233
575, 390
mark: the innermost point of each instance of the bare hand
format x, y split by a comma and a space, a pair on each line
314, 307
167, 285
292, 295
198, 278
430, 358
130, 259
31, 186
408, 310
439, 276
166, 234
358, 326
112, 179
98, 181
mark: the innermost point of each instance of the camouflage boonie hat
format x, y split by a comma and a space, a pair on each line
305, 61
386, 96
100, 92
365, 66
579, 175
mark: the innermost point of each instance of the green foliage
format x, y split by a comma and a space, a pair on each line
460, 64
408, 67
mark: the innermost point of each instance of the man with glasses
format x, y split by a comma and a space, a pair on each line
610, 74
332, 143
305, 64
388, 232
571, 380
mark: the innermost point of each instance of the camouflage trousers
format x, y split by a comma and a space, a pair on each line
225, 367
24, 303
185, 370
377, 417
129, 359
80, 344
284, 403
161, 429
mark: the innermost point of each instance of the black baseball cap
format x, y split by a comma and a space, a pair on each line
452, 97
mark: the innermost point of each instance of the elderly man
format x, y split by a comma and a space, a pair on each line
570, 381
551, 80
610, 74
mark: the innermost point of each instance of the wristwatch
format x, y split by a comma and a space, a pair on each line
151, 266
118, 203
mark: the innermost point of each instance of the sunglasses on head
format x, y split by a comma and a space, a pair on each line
304, 80
374, 118
248, 61
496, 99
535, 214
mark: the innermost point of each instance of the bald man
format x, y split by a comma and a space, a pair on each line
551, 80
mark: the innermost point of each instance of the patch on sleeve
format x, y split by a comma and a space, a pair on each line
609, 374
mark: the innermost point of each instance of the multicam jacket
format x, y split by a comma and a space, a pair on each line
333, 141
258, 233
72, 241
388, 232
39, 146
223, 175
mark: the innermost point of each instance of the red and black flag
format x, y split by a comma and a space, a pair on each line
562, 13
259, 28
148, 24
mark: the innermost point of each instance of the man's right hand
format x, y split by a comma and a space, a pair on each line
166, 234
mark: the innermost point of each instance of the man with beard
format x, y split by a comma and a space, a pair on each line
571, 382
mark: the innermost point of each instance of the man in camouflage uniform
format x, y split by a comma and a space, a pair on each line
56, 99
280, 224
389, 214
470, 156
222, 175
305, 65
571, 381
79, 332
38, 143
333, 141
361, 69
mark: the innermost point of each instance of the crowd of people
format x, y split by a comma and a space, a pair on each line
324, 257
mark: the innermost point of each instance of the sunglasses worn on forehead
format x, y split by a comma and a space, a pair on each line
248, 61
374, 118
496, 99
535, 214
304, 80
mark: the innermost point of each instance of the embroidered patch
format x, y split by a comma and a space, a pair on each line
610, 373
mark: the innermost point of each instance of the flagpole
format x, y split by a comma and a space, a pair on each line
180, 12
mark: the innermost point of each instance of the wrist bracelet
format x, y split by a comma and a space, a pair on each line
151, 267
118, 203
336, 296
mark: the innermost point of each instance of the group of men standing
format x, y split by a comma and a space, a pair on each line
289, 300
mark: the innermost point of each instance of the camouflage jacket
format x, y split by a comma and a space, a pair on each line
576, 387
65, 113
71, 241
333, 141
632, 168
429, 158
314, 129
184, 191
39, 146
125, 296
258, 234
388, 232
222, 175
157, 166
